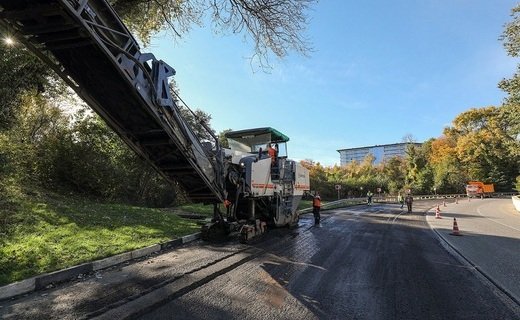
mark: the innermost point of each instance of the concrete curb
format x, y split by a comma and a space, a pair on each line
42, 281
482, 275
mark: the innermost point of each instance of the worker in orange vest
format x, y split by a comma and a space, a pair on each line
272, 153
316, 206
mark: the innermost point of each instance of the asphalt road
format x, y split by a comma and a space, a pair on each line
361, 263
491, 238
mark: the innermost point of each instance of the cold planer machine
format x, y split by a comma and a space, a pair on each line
89, 47
262, 188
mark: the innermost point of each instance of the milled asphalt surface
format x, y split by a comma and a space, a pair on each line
490, 240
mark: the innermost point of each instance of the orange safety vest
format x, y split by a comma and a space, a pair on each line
316, 202
272, 153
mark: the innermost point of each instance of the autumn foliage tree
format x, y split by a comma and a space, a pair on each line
477, 146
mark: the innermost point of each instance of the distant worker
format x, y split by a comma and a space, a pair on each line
400, 199
369, 197
316, 206
272, 153
409, 200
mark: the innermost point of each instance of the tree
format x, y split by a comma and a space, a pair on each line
199, 121
21, 72
394, 170
482, 147
222, 138
478, 146
412, 169
419, 175
448, 174
408, 138
318, 178
511, 42
275, 26
509, 121
510, 113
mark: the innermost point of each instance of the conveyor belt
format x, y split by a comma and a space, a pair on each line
89, 47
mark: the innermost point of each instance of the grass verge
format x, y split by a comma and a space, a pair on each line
45, 233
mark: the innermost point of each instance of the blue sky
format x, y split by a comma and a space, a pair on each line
380, 70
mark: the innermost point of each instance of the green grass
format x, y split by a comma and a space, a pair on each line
344, 203
206, 210
304, 204
44, 233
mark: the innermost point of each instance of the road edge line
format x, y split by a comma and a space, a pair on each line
481, 274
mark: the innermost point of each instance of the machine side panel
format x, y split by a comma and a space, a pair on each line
302, 180
261, 183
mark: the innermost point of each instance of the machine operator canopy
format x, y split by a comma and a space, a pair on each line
251, 140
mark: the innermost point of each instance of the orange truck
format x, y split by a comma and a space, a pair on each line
479, 189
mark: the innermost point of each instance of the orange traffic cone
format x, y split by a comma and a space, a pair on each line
438, 213
455, 231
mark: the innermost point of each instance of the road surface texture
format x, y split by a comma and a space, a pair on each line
361, 263
490, 240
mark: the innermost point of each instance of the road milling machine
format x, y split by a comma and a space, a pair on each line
89, 47
262, 186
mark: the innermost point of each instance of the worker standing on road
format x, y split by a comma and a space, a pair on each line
369, 197
316, 206
400, 199
409, 201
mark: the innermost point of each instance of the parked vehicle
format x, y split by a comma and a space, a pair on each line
479, 189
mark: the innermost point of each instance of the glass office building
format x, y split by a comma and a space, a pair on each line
380, 152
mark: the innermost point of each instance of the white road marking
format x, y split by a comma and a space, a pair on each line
395, 218
505, 225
